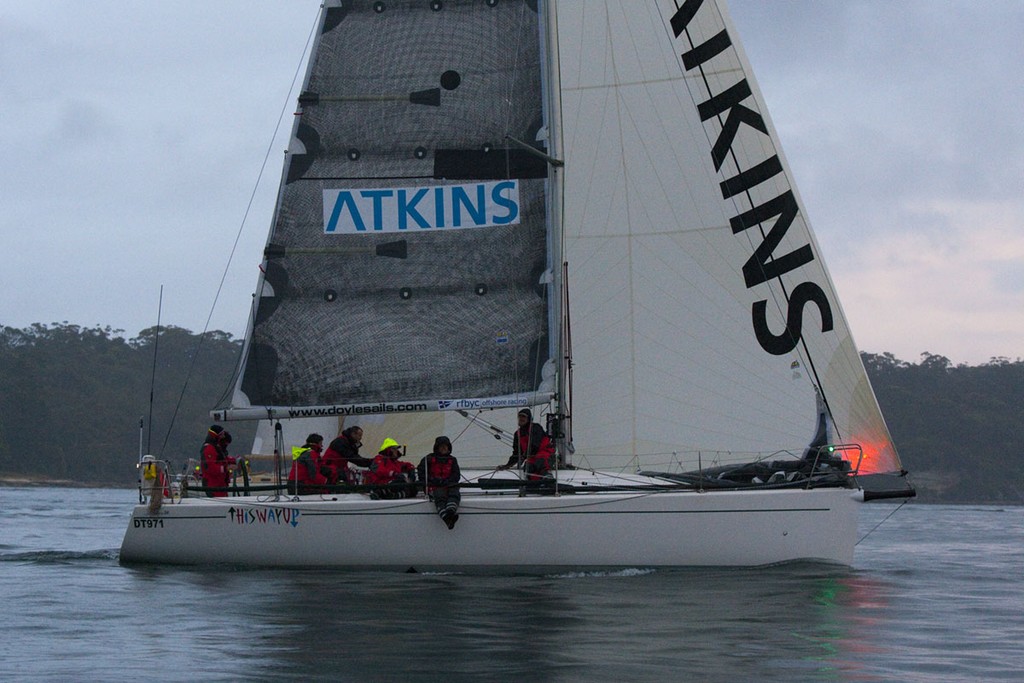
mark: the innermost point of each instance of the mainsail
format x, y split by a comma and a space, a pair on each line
703, 318
408, 265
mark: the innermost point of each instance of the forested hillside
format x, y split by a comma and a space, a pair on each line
71, 399
959, 429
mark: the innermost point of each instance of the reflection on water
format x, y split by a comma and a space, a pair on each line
848, 607
936, 596
807, 621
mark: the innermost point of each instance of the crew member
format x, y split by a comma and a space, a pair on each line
388, 472
342, 452
305, 476
215, 463
532, 449
439, 473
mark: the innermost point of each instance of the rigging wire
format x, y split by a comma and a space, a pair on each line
238, 234
469, 424
566, 401
881, 523
236, 373
152, 374
489, 427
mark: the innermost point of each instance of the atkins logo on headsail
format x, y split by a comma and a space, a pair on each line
727, 108
405, 209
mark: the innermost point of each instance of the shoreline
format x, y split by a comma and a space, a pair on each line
39, 482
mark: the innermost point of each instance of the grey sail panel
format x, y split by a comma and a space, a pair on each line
408, 252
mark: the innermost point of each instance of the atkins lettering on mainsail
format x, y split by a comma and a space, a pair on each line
399, 209
762, 265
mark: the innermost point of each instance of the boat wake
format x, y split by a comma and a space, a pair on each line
59, 556
632, 571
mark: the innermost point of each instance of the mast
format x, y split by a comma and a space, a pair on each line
551, 89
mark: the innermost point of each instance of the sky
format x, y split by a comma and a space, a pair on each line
133, 134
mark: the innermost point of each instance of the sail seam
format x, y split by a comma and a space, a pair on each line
629, 244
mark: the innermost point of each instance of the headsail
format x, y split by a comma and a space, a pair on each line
703, 316
407, 268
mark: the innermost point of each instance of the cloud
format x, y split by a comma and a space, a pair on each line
133, 135
956, 291
134, 132
900, 123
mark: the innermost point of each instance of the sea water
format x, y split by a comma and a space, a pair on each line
936, 593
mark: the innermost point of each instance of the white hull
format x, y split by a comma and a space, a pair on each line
621, 529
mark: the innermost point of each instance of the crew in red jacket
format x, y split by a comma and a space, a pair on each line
532, 449
387, 471
439, 473
215, 463
305, 476
342, 452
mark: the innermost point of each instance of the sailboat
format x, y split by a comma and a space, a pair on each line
577, 207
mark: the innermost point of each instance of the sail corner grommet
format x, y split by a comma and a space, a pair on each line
378, 7
330, 295
420, 152
480, 289
353, 154
405, 293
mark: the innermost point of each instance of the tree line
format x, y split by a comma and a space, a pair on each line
959, 429
72, 398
